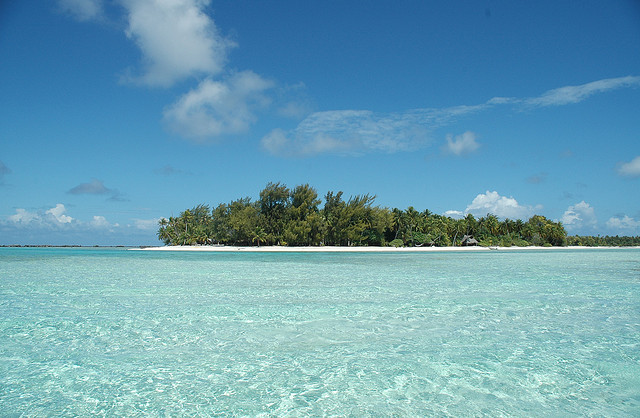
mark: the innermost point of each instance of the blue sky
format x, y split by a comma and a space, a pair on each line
117, 113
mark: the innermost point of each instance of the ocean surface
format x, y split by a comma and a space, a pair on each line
88, 332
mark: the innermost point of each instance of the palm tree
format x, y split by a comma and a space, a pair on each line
259, 235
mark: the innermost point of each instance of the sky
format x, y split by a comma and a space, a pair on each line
114, 114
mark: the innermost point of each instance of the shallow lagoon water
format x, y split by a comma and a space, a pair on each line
115, 332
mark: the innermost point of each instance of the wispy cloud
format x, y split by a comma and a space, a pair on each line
82, 10
630, 169
96, 187
169, 170
349, 132
4, 170
461, 144
100, 222
353, 132
146, 224
537, 178
575, 94
218, 108
292, 101
177, 40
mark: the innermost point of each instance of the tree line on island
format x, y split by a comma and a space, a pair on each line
295, 217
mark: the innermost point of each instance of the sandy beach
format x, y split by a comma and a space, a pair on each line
266, 249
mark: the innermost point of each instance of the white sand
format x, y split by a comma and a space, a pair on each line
266, 249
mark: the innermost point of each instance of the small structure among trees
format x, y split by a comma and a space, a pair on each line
469, 241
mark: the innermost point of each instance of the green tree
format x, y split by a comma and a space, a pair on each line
274, 206
243, 220
334, 219
304, 224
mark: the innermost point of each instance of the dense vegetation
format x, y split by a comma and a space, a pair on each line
606, 241
283, 216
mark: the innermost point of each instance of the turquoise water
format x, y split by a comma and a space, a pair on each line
113, 332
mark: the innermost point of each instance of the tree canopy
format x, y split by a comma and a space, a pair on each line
297, 217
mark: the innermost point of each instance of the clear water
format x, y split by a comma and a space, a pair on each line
114, 332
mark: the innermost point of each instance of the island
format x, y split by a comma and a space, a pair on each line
295, 218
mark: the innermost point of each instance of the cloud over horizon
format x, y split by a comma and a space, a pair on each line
624, 224
580, 217
33, 227
54, 217
500, 206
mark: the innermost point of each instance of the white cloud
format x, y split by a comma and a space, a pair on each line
500, 206
146, 224
580, 216
55, 227
99, 222
503, 100
361, 131
217, 108
82, 10
22, 217
455, 214
575, 94
177, 40
462, 144
54, 217
293, 101
294, 109
58, 214
314, 135
630, 169
626, 224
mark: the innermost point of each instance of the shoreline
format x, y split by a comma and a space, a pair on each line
335, 249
